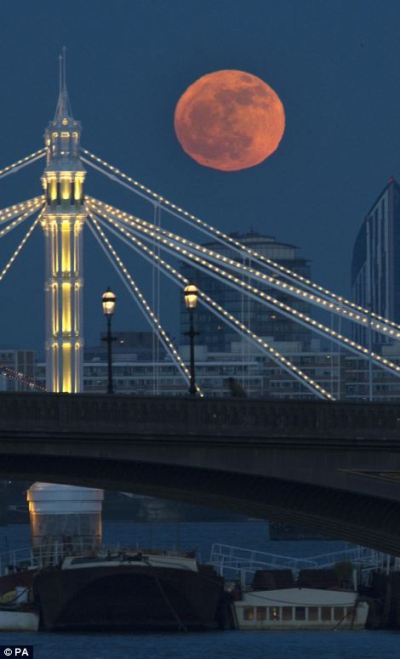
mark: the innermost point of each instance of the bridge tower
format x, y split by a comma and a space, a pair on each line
62, 222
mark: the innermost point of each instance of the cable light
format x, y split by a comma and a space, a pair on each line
20, 247
18, 221
23, 162
10, 212
140, 299
255, 274
21, 378
263, 297
228, 318
180, 213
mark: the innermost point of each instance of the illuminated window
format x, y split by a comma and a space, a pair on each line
55, 135
65, 134
75, 135
66, 363
274, 613
66, 308
65, 121
53, 189
261, 613
78, 191
248, 613
65, 188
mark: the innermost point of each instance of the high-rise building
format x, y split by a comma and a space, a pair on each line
375, 270
129, 346
136, 373
268, 323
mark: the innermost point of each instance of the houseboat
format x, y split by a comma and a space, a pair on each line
315, 599
300, 608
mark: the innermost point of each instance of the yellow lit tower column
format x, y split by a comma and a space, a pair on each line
55, 508
62, 222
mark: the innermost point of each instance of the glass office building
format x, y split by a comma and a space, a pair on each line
268, 323
375, 271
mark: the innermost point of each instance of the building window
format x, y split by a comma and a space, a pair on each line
248, 613
313, 613
326, 613
261, 613
300, 613
274, 613
338, 613
287, 613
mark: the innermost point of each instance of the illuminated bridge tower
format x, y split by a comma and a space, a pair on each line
62, 222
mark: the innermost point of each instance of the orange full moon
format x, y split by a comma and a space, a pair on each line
229, 120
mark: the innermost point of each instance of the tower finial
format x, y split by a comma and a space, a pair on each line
64, 61
60, 73
63, 109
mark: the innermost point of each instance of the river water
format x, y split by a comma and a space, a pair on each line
213, 645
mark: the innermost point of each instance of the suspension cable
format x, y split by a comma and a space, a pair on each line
23, 162
20, 378
20, 246
10, 212
264, 278
138, 297
18, 221
138, 188
262, 297
221, 313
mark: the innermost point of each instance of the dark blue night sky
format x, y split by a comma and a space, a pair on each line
334, 64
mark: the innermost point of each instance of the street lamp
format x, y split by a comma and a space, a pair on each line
108, 301
191, 295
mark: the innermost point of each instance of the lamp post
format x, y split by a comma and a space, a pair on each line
108, 301
191, 296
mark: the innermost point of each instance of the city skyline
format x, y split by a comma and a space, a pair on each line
200, 293
313, 192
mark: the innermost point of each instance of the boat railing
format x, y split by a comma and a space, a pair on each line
238, 562
228, 559
41, 556
362, 556
52, 554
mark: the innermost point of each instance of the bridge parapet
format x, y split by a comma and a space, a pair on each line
124, 414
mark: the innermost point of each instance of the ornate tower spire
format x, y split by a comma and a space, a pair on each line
63, 109
63, 134
63, 220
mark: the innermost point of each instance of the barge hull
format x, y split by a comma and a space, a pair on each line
127, 598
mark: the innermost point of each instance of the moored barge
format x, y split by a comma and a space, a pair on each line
129, 591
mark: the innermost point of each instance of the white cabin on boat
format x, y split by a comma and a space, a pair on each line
300, 608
